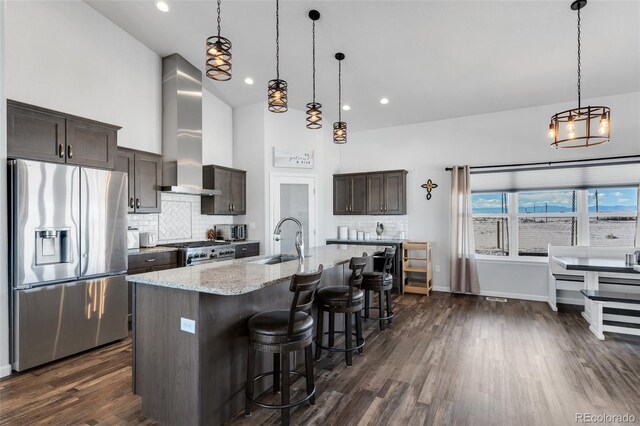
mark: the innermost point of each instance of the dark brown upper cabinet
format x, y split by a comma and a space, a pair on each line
375, 193
41, 134
232, 183
145, 178
91, 144
349, 194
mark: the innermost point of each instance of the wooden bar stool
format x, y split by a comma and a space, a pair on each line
280, 333
347, 300
381, 283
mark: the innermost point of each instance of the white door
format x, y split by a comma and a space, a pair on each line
293, 196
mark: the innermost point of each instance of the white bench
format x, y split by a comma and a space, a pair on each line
561, 279
601, 300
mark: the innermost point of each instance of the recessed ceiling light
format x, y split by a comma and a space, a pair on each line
346, 107
162, 5
384, 101
248, 80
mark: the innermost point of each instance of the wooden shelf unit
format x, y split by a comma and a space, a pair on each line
417, 275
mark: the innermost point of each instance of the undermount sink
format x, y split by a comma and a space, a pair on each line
274, 260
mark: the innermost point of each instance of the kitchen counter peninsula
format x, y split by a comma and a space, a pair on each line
190, 330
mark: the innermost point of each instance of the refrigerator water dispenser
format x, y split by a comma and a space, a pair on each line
53, 245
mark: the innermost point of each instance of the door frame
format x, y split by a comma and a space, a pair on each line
275, 180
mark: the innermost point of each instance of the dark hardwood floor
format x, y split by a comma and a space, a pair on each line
445, 360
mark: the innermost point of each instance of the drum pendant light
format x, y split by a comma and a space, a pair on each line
314, 109
218, 56
340, 127
277, 90
576, 128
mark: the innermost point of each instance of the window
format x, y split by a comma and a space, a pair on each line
546, 217
491, 223
612, 216
528, 221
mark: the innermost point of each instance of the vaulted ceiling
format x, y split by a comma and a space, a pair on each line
432, 59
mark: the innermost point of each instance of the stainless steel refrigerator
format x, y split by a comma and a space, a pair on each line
67, 260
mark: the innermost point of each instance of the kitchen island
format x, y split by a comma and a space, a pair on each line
190, 330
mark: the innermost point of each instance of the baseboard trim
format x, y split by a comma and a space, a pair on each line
569, 301
518, 296
5, 370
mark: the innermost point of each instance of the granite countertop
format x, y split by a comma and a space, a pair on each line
374, 241
239, 276
150, 250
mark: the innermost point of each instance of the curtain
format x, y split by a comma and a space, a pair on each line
464, 274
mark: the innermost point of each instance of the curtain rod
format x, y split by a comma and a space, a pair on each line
550, 163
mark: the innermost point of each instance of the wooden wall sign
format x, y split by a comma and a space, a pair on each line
296, 159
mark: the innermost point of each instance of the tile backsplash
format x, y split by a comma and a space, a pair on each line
179, 221
393, 225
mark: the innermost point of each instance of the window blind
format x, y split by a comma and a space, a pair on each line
567, 175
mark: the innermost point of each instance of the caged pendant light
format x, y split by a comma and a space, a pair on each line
314, 109
277, 90
340, 127
575, 128
218, 64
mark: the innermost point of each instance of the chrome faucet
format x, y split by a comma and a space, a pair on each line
299, 235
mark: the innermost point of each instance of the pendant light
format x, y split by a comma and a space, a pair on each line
340, 127
576, 128
314, 109
218, 56
277, 92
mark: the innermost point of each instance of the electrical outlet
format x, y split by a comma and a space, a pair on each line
252, 225
188, 325
437, 268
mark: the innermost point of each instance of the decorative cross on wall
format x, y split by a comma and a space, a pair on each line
429, 186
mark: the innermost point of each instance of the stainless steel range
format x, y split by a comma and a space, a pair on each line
199, 252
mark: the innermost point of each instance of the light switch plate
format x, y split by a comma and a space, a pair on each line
188, 325
437, 268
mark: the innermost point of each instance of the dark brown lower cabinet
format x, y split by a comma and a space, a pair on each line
149, 262
247, 250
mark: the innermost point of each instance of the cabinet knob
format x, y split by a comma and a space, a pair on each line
137, 203
131, 202
60, 150
70, 151
233, 207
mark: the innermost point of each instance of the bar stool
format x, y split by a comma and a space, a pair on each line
280, 333
381, 283
347, 300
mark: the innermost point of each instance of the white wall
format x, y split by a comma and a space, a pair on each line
67, 57
425, 150
249, 154
288, 131
5, 368
217, 131
256, 132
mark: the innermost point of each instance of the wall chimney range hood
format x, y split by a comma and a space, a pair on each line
182, 128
